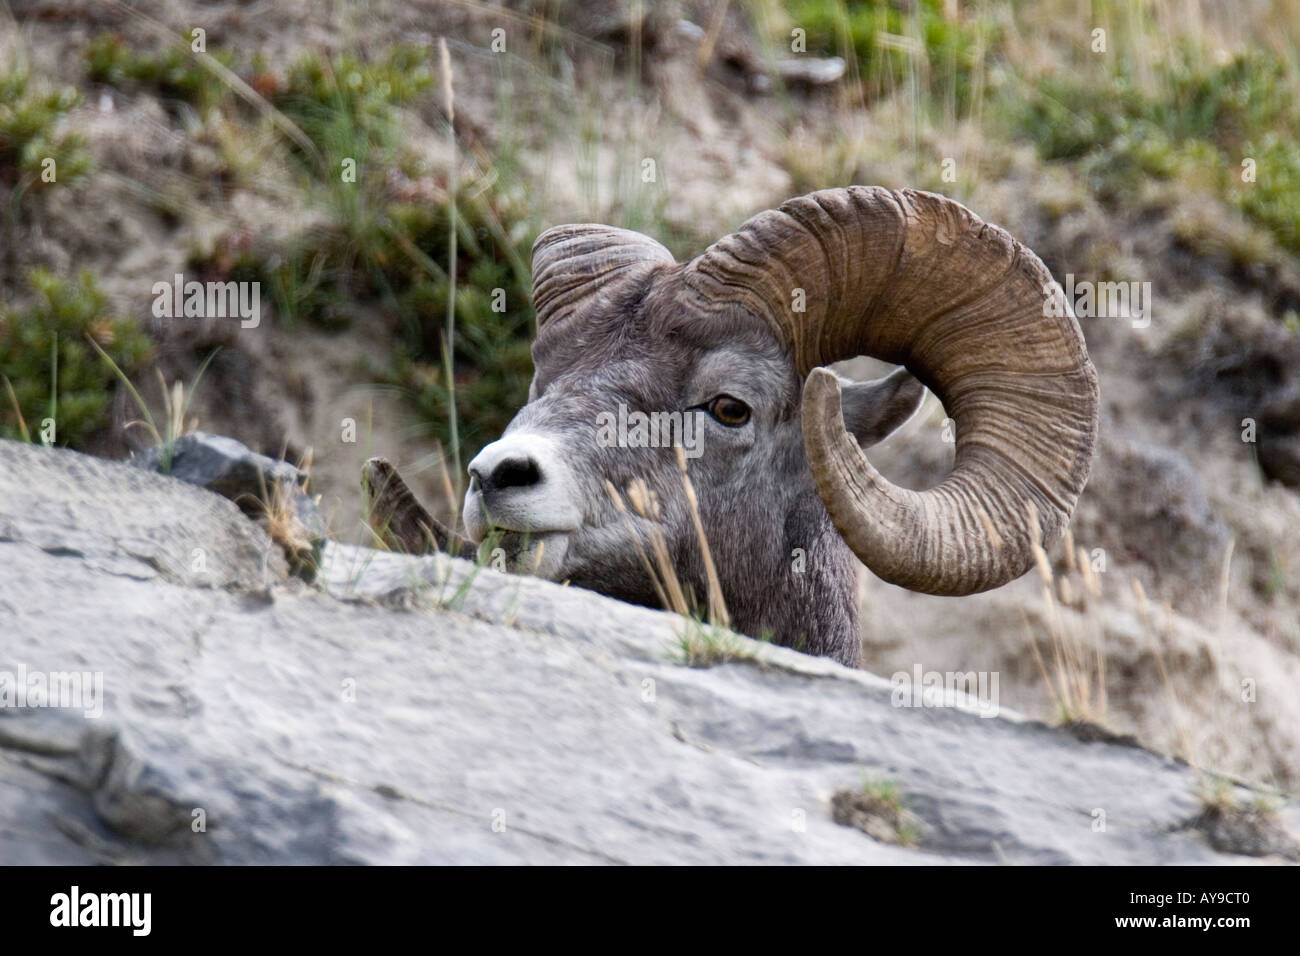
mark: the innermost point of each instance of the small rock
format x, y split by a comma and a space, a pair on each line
811, 70
221, 464
687, 30
1248, 831
252, 481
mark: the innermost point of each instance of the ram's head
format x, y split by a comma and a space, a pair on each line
737, 339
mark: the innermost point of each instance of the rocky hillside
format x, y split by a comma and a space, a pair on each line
328, 153
422, 710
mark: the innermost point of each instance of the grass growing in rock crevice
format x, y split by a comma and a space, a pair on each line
878, 810
705, 645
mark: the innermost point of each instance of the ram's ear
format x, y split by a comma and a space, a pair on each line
874, 410
574, 264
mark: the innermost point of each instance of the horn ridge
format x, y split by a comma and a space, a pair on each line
918, 279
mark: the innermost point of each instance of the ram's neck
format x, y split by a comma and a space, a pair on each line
795, 584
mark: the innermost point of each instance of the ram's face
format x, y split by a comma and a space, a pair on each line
618, 391
628, 395
718, 348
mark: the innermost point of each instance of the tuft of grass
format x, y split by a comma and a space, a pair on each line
47, 357
878, 810
176, 407
705, 645
1076, 678
278, 512
663, 574
701, 643
29, 119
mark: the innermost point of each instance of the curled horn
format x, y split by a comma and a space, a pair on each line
574, 264
918, 280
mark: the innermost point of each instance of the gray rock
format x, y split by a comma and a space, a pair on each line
251, 480
220, 464
422, 710
127, 523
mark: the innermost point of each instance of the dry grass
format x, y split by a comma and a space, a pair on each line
449, 337
658, 562
1159, 637
1076, 679
702, 643
279, 514
1075, 615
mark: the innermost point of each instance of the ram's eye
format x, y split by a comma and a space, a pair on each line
728, 410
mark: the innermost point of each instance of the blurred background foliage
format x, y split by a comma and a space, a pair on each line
1164, 101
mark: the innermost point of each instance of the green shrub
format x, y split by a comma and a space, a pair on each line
348, 109
396, 263
173, 74
1194, 122
1274, 198
1070, 114
493, 361
27, 132
347, 106
360, 90
52, 368
953, 48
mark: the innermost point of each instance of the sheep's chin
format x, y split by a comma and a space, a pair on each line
540, 554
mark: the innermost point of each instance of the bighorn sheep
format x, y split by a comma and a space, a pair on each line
741, 333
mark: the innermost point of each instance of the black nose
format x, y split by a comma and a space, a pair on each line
508, 473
